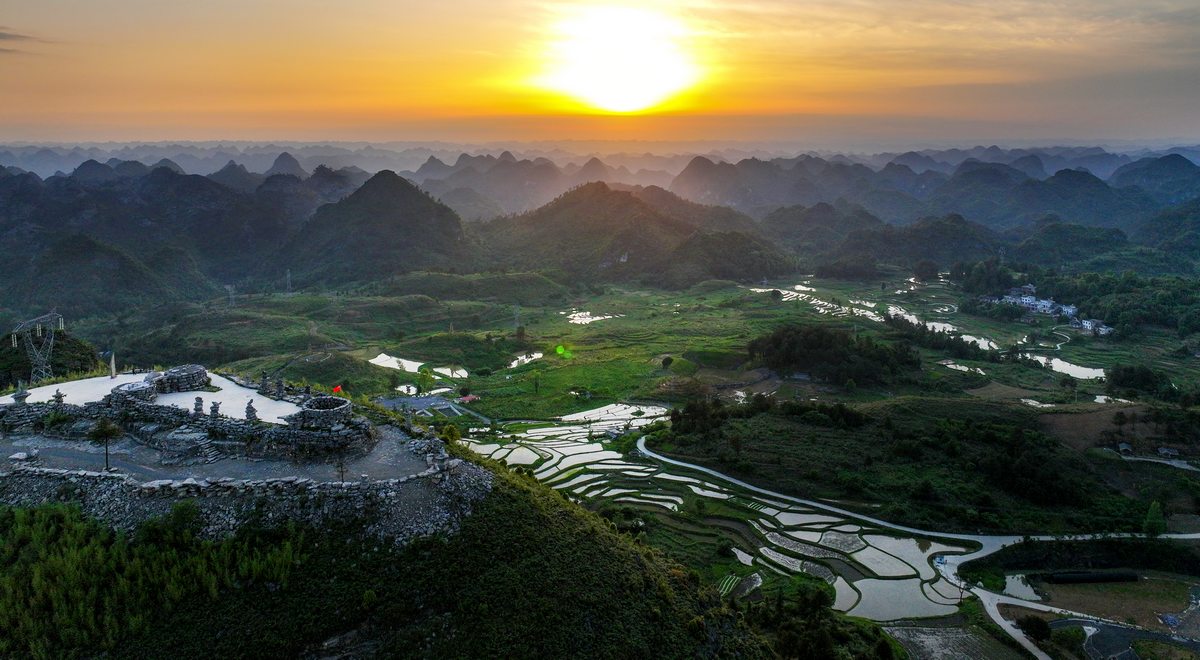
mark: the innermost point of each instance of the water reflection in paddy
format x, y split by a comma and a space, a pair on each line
790, 538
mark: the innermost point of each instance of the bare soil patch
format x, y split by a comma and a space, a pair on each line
1138, 602
994, 390
935, 643
1083, 430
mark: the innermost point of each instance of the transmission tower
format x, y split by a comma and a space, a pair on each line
37, 336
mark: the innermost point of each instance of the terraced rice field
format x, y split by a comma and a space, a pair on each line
874, 574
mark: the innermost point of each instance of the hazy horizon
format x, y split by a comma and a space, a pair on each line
825, 74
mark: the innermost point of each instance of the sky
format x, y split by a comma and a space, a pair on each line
823, 72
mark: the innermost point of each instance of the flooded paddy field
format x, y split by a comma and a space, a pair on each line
873, 572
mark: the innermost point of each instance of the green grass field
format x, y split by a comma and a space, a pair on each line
327, 338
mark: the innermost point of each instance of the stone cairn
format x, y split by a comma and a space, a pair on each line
214, 409
251, 412
198, 407
21, 393
58, 398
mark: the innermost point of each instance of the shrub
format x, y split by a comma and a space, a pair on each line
1036, 627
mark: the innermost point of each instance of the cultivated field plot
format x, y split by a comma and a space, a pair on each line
928, 643
875, 574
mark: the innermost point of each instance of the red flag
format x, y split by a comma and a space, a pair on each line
337, 388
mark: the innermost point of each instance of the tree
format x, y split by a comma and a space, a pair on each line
1068, 383
725, 547
1119, 419
450, 434
1036, 627
925, 270
340, 464
425, 380
925, 491
103, 431
1155, 523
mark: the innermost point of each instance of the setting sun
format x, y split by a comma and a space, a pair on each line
619, 59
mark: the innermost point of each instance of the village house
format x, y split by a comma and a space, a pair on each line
1026, 297
1095, 326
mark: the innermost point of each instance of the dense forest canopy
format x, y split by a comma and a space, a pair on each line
831, 354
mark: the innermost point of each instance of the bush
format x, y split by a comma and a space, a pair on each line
1036, 627
450, 434
54, 419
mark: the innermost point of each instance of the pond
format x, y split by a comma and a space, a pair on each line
1017, 586
524, 359
583, 318
400, 364
888, 600
1063, 367
951, 364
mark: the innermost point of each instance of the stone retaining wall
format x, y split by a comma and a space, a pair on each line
184, 378
401, 509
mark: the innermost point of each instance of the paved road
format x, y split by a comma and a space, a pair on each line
1179, 464
949, 567
1108, 640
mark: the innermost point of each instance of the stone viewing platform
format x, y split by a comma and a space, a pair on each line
156, 406
430, 496
228, 391
237, 452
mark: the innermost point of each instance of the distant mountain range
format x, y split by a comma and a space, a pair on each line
481, 183
594, 232
110, 233
994, 194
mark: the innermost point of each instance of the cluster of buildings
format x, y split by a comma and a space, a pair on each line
1026, 297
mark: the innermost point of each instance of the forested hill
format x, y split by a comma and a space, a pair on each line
596, 233
386, 227
568, 586
996, 194
149, 234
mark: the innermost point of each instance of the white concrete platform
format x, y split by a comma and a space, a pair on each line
233, 397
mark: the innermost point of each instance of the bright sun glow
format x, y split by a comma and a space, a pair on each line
619, 59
